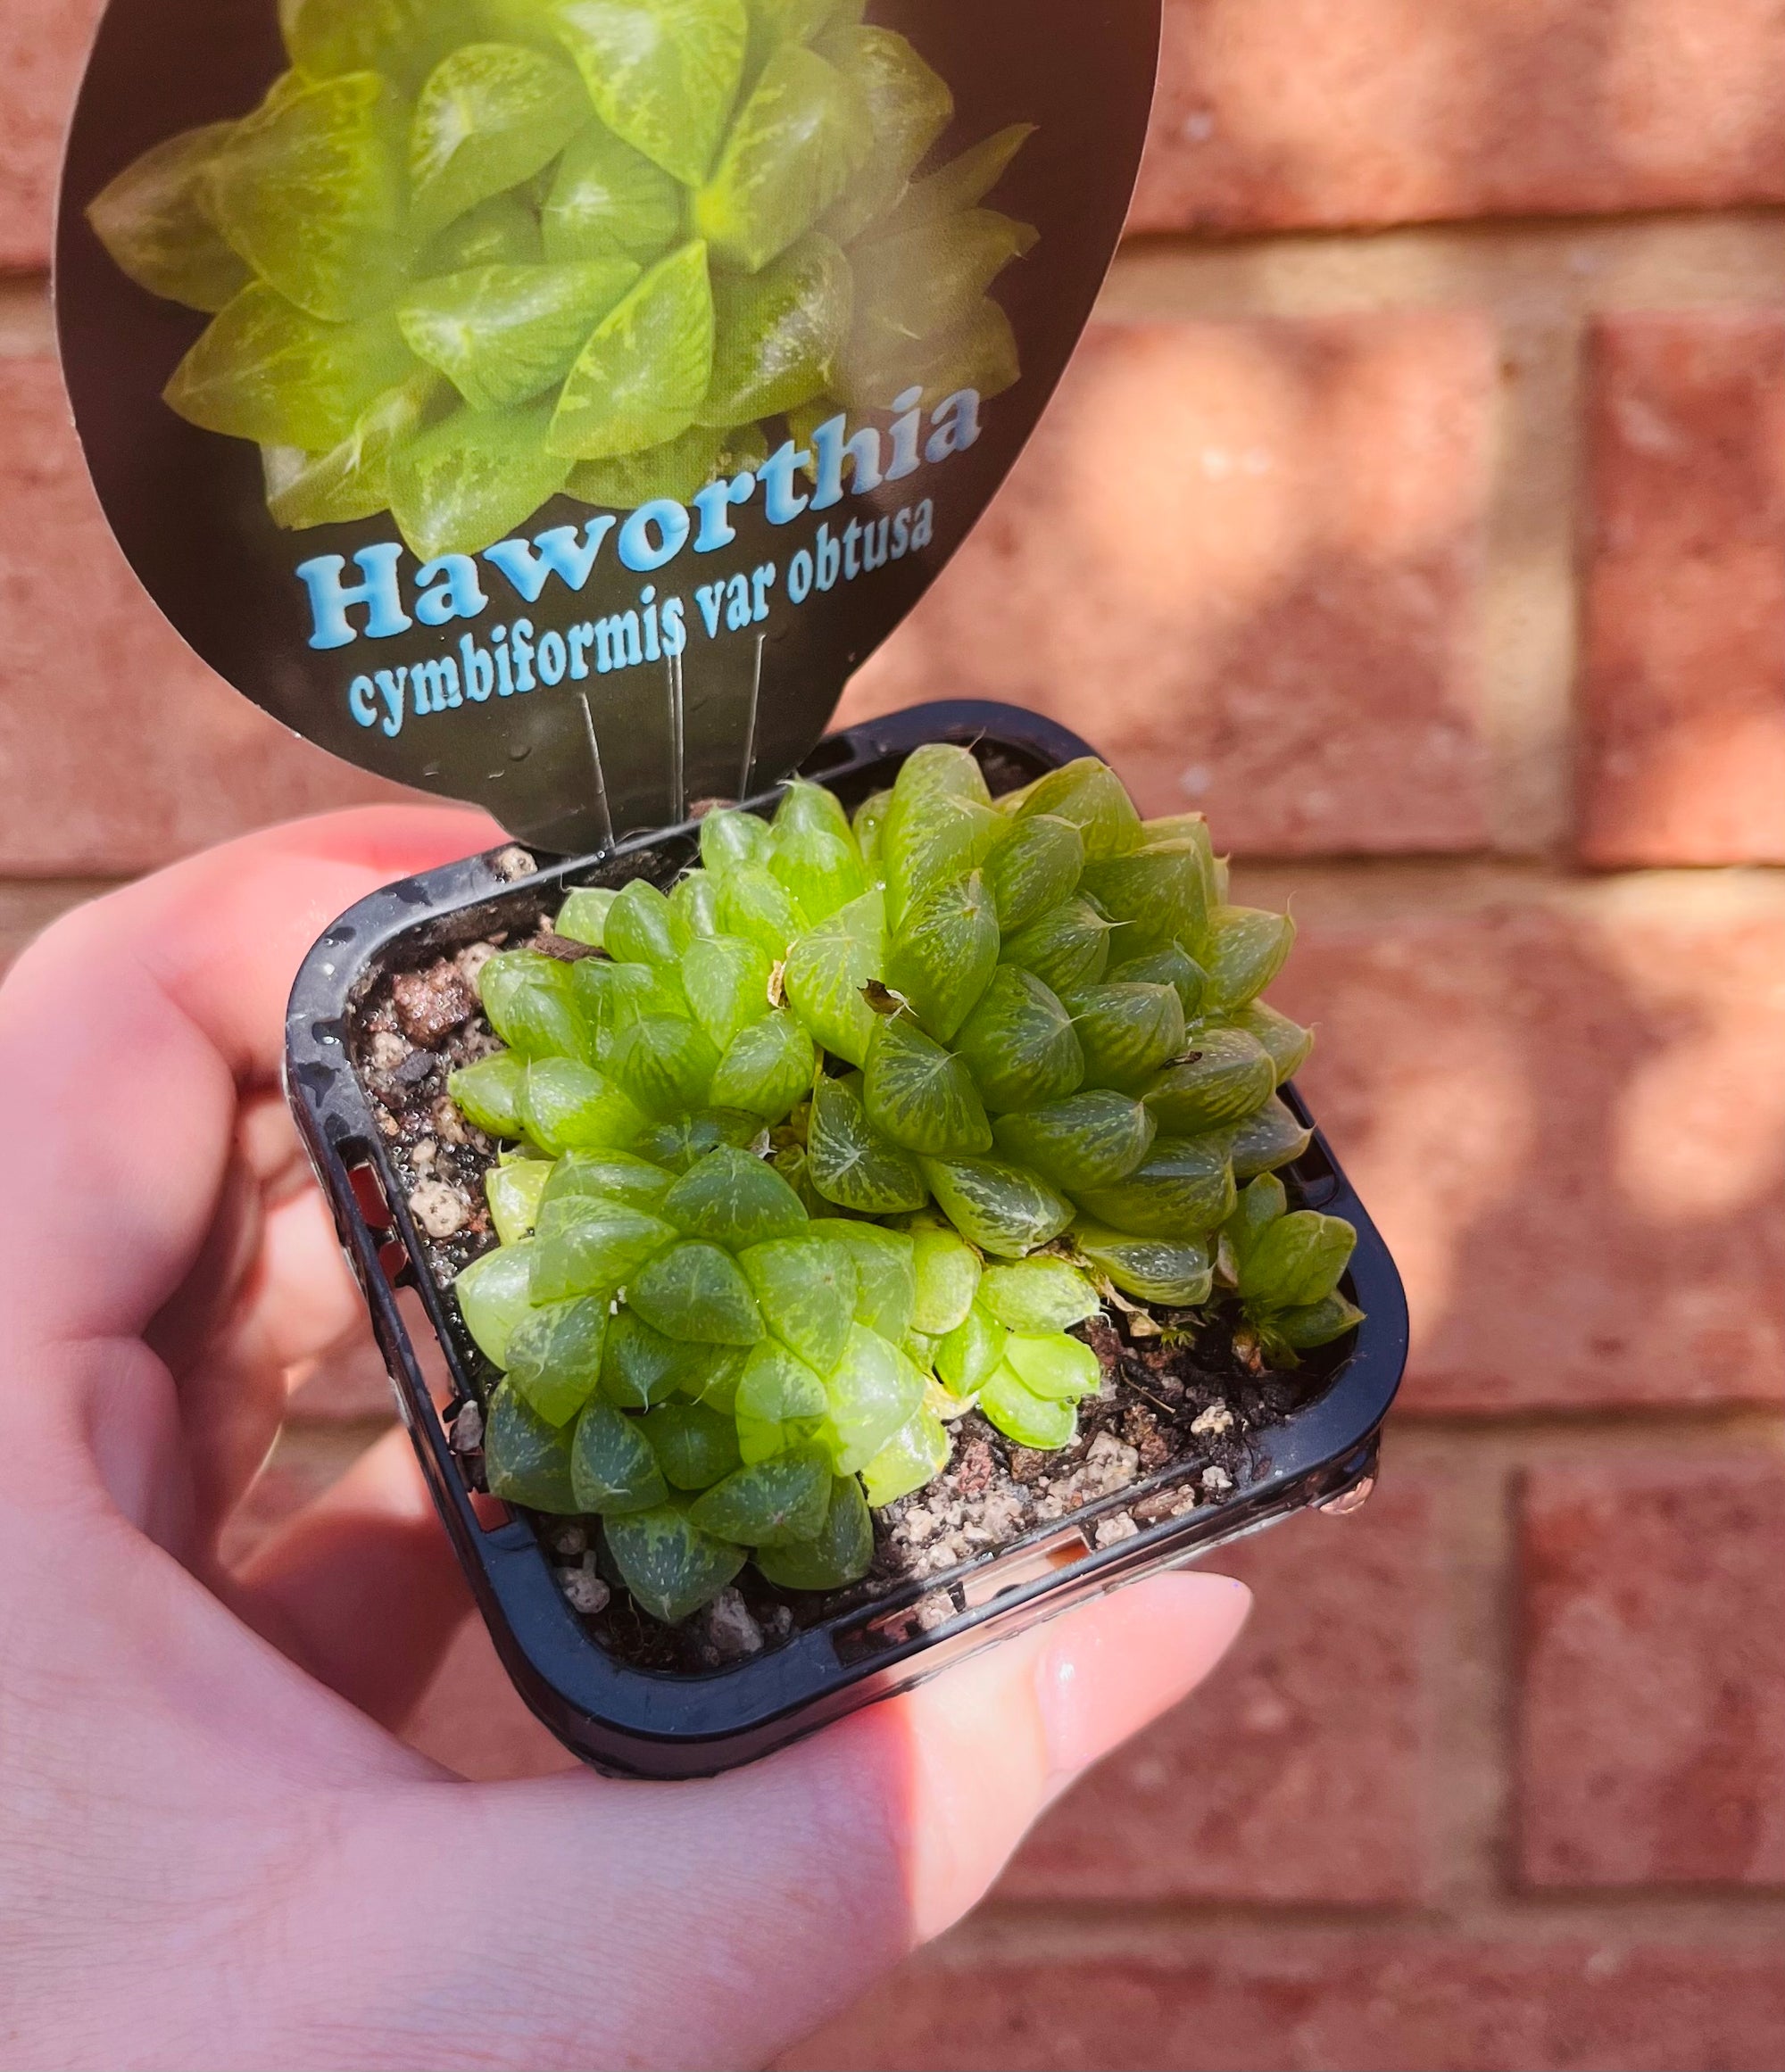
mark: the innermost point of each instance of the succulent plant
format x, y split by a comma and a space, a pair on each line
464, 257
814, 1156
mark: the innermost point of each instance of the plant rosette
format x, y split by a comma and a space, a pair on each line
868, 1123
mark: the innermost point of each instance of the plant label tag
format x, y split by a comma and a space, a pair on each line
550, 405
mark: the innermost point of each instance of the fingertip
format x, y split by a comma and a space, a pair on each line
1112, 1668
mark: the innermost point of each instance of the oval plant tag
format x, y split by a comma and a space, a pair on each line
551, 406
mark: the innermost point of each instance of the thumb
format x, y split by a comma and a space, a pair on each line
745, 1912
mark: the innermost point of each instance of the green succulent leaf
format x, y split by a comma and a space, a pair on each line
726, 981
1067, 948
796, 144
1244, 950
920, 1095
885, 1274
639, 928
1037, 1295
663, 74
961, 183
1175, 1272
153, 221
685, 1141
777, 1501
472, 479
1226, 1076
806, 1286
1172, 966
582, 917
590, 1246
873, 1390
514, 1190
731, 839
812, 809
640, 1367
554, 1357
948, 1278
754, 903
940, 825
527, 1459
735, 1200
826, 969
666, 1064
678, 469
1184, 1188
851, 1163
606, 197
1006, 1210
695, 1291
641, 377
494, 1293
671, 1567
942, 954
908, 106
1157, 893
980, 353
263, 370
1299, 1259
489, 116
695, 1445
1127, 1034
1019, 1043
1089, 1140
1044, 1422
839, 1554
502, 231
613, 1471
924, 282
777, 336
1091, 795
915, 1454
967, 1353
570, 1106
310, 191
1288, 1042
1053, 1366
1255, 1208
352, 478
1267, 1140
1316, 1323
488, 1093
693, 901
608, 999
821, 871
766, 1068
1037, 865
530, 1003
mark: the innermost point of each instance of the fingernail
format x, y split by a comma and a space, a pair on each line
1116, 1665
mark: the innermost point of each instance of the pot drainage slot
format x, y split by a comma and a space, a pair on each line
1032, 1565
894, 1629
375, 1212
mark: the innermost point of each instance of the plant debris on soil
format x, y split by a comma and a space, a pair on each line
1175, 1429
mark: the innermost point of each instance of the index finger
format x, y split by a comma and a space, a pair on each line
127, 1032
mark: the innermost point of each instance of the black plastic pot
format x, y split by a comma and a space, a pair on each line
639, 1722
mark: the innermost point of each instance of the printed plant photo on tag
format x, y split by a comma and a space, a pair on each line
462, 258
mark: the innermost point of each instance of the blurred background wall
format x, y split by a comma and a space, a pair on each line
1445, 372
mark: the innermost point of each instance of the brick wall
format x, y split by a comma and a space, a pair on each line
1444, 370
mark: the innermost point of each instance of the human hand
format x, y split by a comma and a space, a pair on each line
214, 1849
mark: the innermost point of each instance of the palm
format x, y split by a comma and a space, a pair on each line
214, 1848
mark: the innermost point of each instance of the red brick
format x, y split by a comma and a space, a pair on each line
1653, 1735
118, 749
1282, 1998
1568, 1119
1298, 1774
1276, 114
43, 46
1244, 559
1683, 755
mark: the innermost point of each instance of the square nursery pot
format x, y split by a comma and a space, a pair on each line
610, 1686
